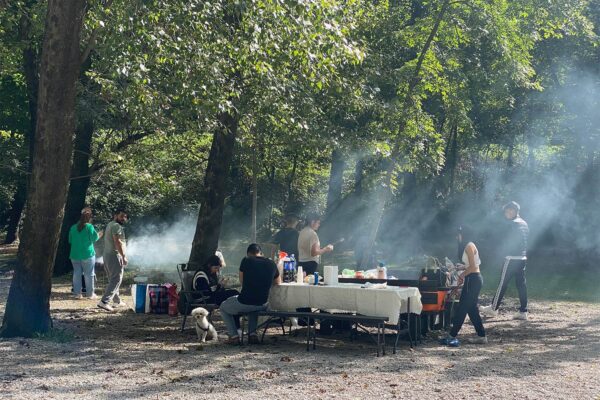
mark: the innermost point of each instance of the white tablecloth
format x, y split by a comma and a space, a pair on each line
388, 302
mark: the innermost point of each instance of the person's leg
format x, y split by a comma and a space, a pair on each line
521, 282
253, 319
219, 296
114, 273
88, 275
505, 278
461, 311
77, 271
229, 309
473, 312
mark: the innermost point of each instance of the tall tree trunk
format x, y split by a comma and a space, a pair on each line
28, 305
210, 217
254, 197
359, 176
80, 182
30, 69
453, 158
290, 201
16, 211
336, 180
407, 103
271, 198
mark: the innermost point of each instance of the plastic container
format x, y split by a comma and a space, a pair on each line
138, 293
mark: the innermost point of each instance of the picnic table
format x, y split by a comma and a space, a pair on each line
361, 305
387, 302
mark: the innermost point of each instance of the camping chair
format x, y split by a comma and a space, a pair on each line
189, 298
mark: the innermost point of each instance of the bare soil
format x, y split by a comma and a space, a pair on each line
94, 354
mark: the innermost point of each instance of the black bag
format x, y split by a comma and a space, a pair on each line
329, 326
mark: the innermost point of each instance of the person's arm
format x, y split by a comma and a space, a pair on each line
242, 269
95, 235
119, 247
277, 279
316, 251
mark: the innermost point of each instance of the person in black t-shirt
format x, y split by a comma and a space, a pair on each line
287, 238
257, 275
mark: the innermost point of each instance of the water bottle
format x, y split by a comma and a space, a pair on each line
288, 271
293, 268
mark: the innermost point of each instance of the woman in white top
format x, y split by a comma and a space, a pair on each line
309, 246
469, 296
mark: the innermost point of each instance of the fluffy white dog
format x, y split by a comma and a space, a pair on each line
203, 327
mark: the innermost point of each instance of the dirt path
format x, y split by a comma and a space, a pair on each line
555, 355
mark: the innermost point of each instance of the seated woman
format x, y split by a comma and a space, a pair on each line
469, 296
207, 280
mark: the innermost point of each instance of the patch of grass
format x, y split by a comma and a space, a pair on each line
56, 335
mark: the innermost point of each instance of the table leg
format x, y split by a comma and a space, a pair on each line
307, 335
378, 339
383, 344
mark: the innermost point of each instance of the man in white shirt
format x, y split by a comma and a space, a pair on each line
309, 246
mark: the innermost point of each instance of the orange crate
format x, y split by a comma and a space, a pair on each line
433, 301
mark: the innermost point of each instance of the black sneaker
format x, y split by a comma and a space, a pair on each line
253, 339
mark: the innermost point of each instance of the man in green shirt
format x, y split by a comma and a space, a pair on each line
114, 260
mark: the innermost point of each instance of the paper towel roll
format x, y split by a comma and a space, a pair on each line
331, 274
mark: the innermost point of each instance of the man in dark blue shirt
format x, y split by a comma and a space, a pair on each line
515, 248
257, 275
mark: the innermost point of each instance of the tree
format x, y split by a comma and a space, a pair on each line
28, 305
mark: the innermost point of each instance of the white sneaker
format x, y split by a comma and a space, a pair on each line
92, 297
523, 316
78, 296
488, 311
480, 340
105, 306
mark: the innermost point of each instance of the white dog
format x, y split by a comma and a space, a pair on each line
203, 327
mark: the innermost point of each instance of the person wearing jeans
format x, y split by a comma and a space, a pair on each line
114, 260
257, 275
470, 292
82, 237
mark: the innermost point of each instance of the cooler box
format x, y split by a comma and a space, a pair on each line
138, 293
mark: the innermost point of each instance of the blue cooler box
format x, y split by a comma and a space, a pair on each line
139, 293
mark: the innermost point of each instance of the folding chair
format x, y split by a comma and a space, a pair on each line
189, 298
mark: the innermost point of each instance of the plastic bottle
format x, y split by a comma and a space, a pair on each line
294, 269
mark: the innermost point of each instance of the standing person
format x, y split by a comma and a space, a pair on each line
114, 260
208, 280
257, 275
515, 245
468, 253
82, 237
309, 246
287, 238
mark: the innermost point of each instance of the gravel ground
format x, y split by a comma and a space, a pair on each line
554, 355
